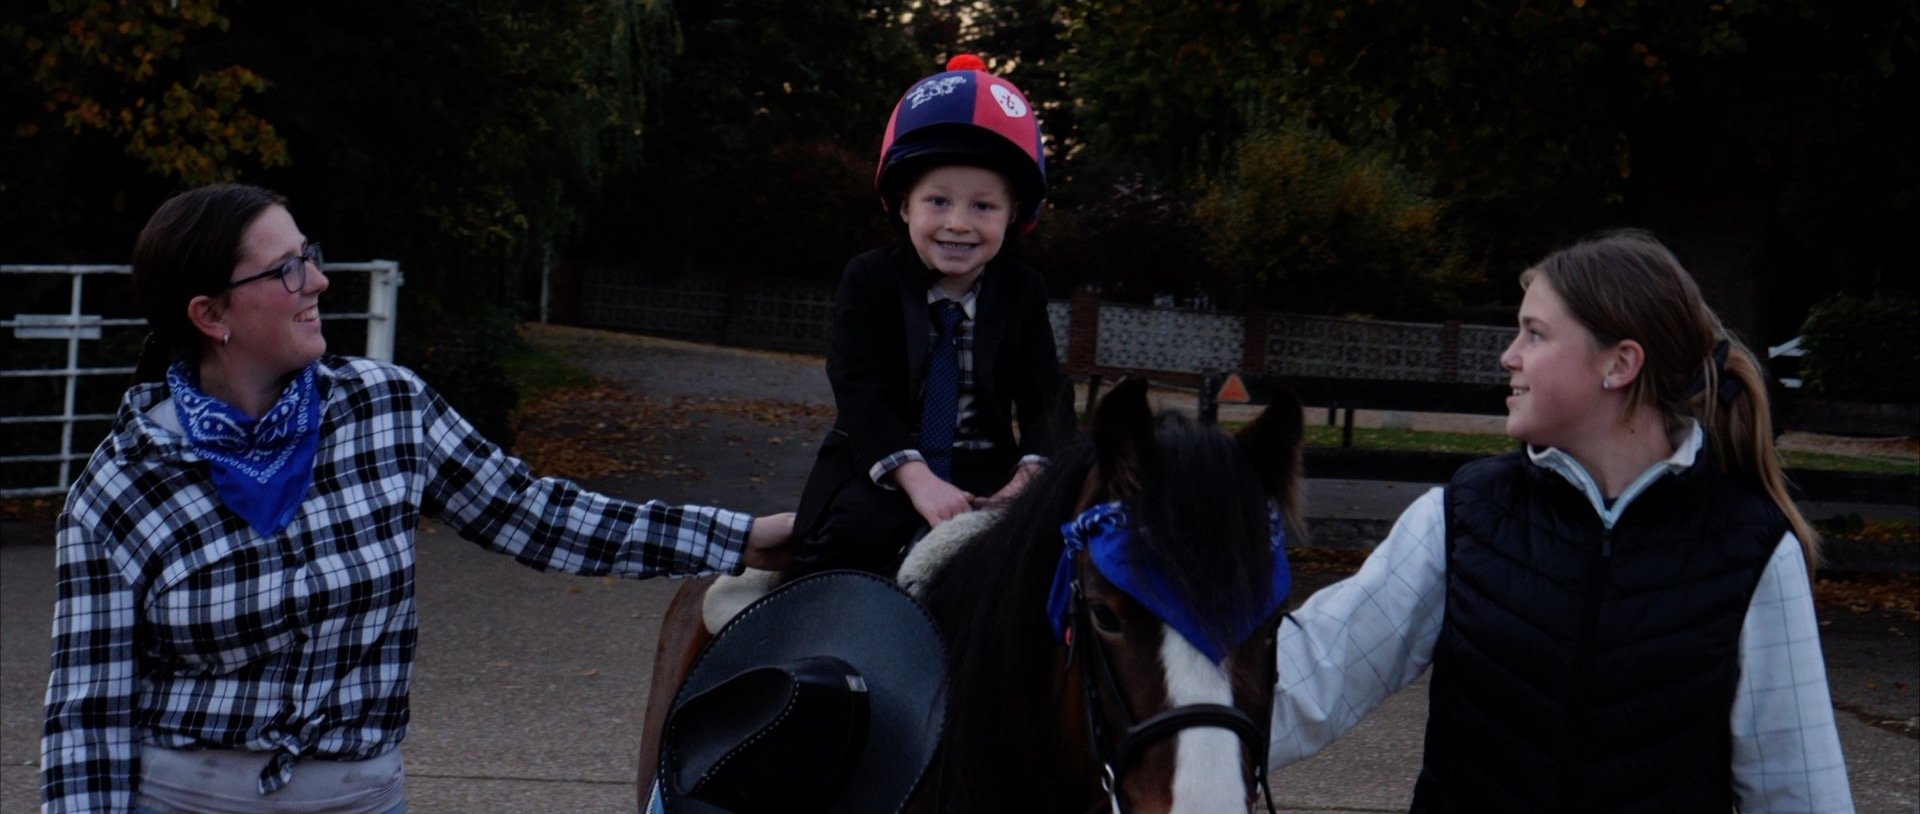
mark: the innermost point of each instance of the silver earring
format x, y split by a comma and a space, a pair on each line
1606, 384
226, 337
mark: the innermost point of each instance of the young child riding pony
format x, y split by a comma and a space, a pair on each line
940, 342
1619, 617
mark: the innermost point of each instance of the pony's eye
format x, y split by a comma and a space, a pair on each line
1105, 619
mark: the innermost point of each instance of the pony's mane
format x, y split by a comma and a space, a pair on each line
1204, 516
1000, 649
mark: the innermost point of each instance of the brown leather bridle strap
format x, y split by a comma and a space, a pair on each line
1096, 675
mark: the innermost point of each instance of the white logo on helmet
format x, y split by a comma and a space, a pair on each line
1009, 101
936, 87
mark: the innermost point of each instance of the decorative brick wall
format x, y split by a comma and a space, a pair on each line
1173, 345
1168, 340
1060, 316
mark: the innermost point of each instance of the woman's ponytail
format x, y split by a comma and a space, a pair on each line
1734, 409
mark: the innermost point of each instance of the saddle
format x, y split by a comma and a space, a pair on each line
731, 594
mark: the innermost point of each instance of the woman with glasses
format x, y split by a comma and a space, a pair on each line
235, 623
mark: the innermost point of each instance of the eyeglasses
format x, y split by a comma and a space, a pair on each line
292, 273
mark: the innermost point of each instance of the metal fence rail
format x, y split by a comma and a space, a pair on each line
76, 326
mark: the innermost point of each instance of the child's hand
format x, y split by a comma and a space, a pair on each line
936, 500
1013, 488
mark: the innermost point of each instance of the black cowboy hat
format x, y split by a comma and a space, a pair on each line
827, 695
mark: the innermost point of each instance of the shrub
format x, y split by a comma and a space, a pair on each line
459, 351
1863, 349
1307, 224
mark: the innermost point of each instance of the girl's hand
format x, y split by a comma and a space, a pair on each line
770, 543
936, 500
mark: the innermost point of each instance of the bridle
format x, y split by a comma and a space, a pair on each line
1096, 675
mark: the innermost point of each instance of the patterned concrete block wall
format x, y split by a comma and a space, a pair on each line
1348, 348
1060, 316
1480, 349
1168, 339
797, 315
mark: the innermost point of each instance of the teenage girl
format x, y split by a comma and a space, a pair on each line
1619, 617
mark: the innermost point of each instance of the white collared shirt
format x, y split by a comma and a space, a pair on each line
1370, 635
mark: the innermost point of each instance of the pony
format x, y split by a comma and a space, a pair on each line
1098, 702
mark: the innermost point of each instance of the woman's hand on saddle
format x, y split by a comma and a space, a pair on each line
936, 500
770, 543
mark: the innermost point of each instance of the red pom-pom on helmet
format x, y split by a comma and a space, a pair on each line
965, 115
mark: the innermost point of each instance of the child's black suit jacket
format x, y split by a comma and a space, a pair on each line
877, 364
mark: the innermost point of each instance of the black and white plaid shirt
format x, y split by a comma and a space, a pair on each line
177, 625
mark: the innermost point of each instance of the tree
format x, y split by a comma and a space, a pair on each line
1763, 138
1711, 122
762, 140
461, 139
118, 69
107, 106
1307, 224
464, 140
1166, 87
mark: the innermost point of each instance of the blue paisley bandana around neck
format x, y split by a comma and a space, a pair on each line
261, 468
1107, 531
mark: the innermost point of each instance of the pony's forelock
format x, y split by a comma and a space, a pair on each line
1202, 521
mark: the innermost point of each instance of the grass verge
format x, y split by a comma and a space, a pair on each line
535, 372
1877, 464
1486, 444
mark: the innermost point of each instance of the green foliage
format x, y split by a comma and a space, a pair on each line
1316, 435
462, 139
465, 364
120, 69
1539, 122
536, 371
1837, 462
1863, 349
1169, 86
1304, 223
761, 140
1138, 241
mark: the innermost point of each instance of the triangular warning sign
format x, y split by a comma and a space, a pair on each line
1233, 391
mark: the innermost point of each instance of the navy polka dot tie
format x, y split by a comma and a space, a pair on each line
942, 390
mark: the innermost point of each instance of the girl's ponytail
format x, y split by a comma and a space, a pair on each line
1733, 407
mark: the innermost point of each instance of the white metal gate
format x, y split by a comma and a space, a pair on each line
76, 326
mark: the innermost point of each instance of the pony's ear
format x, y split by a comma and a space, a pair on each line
1272, 444
1123, 436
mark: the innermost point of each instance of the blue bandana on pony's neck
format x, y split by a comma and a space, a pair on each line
261, 468
1107, 532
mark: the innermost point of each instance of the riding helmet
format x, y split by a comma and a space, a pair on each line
964, 115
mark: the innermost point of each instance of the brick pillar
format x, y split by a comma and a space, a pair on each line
1083, 332
1450, 351
1253, 343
